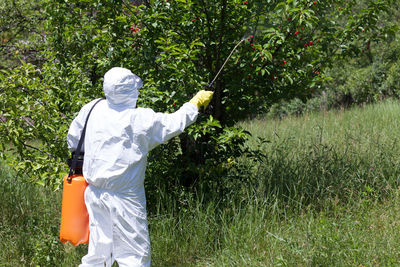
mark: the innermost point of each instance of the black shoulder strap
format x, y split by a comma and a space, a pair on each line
79, 147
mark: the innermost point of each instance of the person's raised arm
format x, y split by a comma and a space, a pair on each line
166, 126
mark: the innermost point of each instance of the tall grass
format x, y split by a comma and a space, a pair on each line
29, 224
325, 194
334, 156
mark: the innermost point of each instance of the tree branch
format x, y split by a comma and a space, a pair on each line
38, 149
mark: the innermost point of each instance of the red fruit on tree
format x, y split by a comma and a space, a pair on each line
311, 42
314, 3
296, 33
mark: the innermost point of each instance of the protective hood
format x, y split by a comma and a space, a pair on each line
121, 87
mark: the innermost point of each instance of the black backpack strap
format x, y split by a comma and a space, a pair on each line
79, 147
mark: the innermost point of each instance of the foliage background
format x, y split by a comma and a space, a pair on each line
56, 52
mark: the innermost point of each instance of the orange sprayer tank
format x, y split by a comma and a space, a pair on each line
74, 216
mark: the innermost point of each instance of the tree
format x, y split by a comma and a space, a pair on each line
176, 46
20, 32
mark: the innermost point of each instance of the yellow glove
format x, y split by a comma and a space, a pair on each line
202, 98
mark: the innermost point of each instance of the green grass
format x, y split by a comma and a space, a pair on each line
325, 194
29, 224
361, 235
329, 156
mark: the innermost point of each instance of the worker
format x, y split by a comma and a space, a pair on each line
118, 139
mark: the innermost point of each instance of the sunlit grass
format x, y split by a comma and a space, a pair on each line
326, 194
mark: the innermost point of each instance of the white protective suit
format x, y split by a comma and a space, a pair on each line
118, 138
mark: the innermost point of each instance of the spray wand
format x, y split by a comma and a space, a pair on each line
209, 86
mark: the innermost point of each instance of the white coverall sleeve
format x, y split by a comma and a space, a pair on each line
75, 129
166, 126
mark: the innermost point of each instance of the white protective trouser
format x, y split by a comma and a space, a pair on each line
118, 139
115, 233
